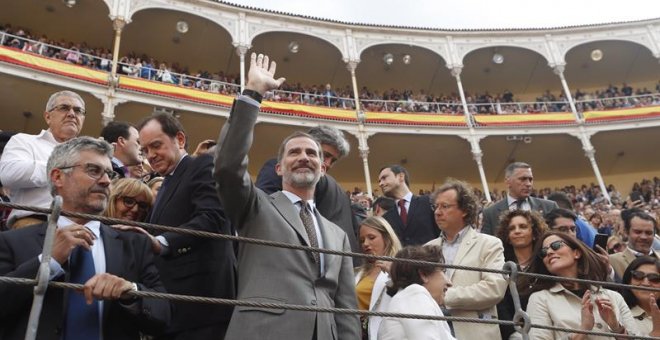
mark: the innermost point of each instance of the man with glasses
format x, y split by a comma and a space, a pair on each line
23, 162
640, 228
108, 262
473, 294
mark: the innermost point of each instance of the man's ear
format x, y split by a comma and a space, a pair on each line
57, 178
278, 169
47, 117
180, 140
323, 169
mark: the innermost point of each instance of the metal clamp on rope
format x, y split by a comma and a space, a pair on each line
520, 316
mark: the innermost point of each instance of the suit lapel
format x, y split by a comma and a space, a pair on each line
114, 259
170, 189
290, 214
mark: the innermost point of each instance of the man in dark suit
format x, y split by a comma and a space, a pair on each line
117, 262
519, 181
126, 146
331, 200
412, 217
272, 274
187, 199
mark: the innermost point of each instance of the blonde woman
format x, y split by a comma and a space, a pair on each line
130, 199
376, 238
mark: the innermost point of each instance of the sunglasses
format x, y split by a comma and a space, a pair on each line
639, 275
130, 202
615, 248
556, 245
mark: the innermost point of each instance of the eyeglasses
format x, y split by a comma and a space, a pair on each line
130, 202
556, 245
66, 108
564, 228
443, 206
94, 171
639, 275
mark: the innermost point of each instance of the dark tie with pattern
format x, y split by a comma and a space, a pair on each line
308, 222
519, 204
82, 320
404, 212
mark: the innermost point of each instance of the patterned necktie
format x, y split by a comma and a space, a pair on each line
519, 203
404, 212
82, 320
308, 222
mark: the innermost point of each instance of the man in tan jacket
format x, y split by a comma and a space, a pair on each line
474, 294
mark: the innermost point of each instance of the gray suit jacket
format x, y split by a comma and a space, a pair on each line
492, 214
276, 275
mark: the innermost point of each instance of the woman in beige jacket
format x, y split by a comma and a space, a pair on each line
570, 304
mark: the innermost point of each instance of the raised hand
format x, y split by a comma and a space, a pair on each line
261, 76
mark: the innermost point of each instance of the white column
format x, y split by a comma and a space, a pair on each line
559, 70
473, 139
590, 153
110, 102
363, 147
351, 65
241, 50
118, 25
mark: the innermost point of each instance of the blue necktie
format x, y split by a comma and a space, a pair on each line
82, 320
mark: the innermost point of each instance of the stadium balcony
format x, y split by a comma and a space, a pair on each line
433, 139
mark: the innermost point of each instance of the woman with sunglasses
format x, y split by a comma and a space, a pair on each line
130, 199
643, 271
519, 231
570, 304
376, 238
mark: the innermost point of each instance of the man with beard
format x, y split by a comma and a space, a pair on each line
273, 274
107, 261
23, 163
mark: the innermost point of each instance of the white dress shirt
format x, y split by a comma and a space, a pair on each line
23, 170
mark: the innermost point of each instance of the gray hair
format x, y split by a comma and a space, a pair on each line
513, 166
329, 135
68, 153
50, 105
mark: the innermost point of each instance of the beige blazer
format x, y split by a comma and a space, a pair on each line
620, 261
559, 307
475, 294
276, 275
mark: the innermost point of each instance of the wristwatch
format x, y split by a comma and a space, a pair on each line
253, 94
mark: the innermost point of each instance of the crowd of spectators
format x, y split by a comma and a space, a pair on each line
372, 100
588, 201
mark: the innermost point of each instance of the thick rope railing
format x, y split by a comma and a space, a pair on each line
521, 321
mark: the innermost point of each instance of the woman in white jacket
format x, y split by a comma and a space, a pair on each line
376, 238
421, 290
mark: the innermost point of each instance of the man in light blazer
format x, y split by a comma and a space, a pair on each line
640, 228
519, 181
473, 294
272, 274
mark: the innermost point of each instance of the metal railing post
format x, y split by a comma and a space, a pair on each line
44, 271
520, 315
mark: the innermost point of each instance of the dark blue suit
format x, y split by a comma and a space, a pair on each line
194, 265
421, 226
127, 255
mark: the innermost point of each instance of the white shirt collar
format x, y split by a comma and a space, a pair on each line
295, 199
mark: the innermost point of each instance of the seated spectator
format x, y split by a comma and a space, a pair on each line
571, 304
419, 289
376, 238
643, 271
615, 245
640, 228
